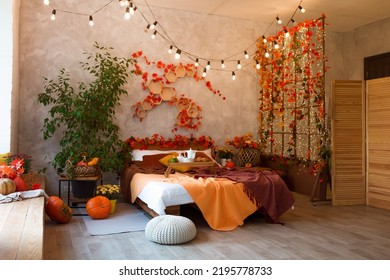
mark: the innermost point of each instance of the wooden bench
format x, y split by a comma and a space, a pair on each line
22, 229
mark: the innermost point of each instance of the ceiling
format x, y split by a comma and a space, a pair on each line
341, 15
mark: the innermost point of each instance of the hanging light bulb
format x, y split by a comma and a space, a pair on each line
53, 15
46, 2
121, 3
204, 73
278, 20
238, 64
153, 26
222, 63
293, 21
266, 53
276, 45
302, 9
246, 55
208, 66
91, 21
257, 64
286, 33
177, 54
127, 14
264, 39
154, 34
197, 62
147, 28
170, 49
233, 76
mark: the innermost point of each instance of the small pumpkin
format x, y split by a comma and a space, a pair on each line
7, 186
57, 210
20, 184
230, 164
98, 207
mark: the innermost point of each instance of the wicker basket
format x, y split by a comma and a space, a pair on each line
249, 155
30, 179
86, 171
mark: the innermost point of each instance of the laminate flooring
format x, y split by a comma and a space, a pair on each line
321, 232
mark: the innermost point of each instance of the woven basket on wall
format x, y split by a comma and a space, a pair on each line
248, 155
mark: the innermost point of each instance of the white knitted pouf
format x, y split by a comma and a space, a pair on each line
170, 229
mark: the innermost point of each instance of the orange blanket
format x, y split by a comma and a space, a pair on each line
222, 202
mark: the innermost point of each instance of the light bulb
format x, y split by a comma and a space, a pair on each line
222, 63
233, 76
170, 49
147, 28
204, 73
177, 54
238, 65
266, 54
302, 9
154, 34
91, 21
53, 15
121, 3
264, 39
286, 34
197, 62
246, 55
276, 46
132, 10
293, 21
127, 14
46, 2
278, 20
257, 65
208, 66
153, 26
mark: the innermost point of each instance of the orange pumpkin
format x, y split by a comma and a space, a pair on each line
20, 184
58, 211
98, 207
230, 164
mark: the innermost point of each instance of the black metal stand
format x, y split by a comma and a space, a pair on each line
72, 202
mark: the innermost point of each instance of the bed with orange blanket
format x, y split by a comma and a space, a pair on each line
225, 197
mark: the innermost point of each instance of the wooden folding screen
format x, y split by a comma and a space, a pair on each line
348, 149
378, 142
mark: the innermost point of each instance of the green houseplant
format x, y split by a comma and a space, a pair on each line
86, 113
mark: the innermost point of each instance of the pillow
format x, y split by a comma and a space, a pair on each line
165, 161
153, 161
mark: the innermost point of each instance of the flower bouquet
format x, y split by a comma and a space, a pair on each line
244, 141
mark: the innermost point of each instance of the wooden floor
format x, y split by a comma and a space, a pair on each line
309, 232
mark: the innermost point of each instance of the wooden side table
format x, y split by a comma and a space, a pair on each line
62, 179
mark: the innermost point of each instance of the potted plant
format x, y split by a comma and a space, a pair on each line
86, 113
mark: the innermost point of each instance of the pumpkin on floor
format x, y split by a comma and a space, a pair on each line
98, 207
58, 211
7, 186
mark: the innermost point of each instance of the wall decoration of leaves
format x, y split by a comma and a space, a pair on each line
292, 115
159, 87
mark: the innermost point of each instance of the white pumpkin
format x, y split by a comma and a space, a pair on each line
7, 186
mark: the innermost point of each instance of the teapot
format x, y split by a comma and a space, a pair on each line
189, 158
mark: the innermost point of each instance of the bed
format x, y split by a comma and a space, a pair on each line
225, 197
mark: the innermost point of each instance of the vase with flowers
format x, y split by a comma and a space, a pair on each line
112, 192
249, 150
224, 154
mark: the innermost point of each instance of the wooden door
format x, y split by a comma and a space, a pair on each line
378, 142
348, 145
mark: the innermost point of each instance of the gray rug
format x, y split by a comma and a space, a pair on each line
127, 218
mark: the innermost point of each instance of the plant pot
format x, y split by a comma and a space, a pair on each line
113, 206
83, 189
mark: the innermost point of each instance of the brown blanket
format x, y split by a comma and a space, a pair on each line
265, 188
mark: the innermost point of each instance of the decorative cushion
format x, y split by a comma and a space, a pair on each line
153, 161
170, 230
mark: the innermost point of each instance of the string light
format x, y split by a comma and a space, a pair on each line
131, 8
233, 76
239, 65
276, 45
204, 74
127, 14
208, 66
91, 21
178, 54
53, 15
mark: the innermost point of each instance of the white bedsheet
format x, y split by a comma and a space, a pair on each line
159, 195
